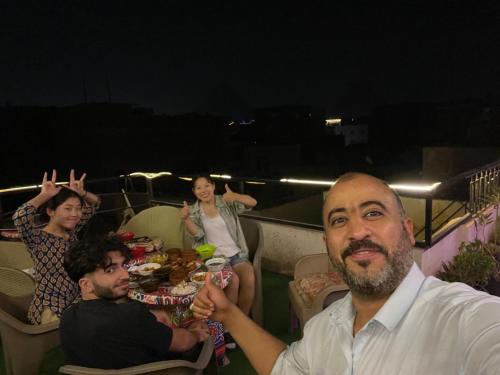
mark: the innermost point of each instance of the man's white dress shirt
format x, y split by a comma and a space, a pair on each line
426, 327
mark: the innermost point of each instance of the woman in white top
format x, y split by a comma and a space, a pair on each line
214, 219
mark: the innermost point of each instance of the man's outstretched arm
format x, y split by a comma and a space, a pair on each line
261, 348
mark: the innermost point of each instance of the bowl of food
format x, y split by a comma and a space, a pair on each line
199, 278
206, 250
138, 251
149, 285
127, 236
183, 289
147, 269
161, 273
215, 264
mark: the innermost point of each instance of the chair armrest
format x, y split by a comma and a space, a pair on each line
313, 263
147, 368
319, 300
29, 329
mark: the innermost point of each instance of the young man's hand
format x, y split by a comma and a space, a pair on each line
200, 330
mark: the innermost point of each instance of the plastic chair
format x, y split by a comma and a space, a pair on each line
173, 367
303, 308
24, 344
15, 254
163, 222
255, 241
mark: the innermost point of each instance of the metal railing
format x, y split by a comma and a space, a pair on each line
468, 189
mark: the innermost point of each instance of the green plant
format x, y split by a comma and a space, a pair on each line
472, 265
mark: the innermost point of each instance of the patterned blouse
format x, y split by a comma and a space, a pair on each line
54, 289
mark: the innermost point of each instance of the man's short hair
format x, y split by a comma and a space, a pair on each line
351, 175
88, 255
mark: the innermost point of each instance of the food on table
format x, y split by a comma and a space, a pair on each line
189, 255
161, 273
149, 285
127, 236
138, 251
158, 258
206, 250
177, 275
183, 289
157, 243
173, 253
199, 278
191, 266
148, 268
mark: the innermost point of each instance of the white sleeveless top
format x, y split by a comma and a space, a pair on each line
217, 233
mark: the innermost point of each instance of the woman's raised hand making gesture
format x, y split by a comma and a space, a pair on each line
49, 188
77, 185
229, 195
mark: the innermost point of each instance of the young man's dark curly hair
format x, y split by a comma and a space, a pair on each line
87, 255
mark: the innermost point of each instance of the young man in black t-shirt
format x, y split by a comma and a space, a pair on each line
106, 330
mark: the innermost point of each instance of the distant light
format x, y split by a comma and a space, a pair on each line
306, 182
415, 187
247, 122
231, 123
333, 121
150, 175
186, 178
223, 176
255, 182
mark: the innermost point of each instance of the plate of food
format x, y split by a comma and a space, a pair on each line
183, 289
147, 269
199, 278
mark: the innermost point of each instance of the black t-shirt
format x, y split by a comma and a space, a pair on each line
107, 335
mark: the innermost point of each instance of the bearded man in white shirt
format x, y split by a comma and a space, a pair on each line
394, 321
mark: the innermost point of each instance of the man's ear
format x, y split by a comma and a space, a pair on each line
408, 227
86, 285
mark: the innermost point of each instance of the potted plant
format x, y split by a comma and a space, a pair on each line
472, 266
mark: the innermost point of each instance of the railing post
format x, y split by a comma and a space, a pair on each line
149, 185
242, 186
428, 222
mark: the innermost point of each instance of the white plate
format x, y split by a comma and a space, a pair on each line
147, 269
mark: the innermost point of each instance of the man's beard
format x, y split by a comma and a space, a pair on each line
386, 280
107, 293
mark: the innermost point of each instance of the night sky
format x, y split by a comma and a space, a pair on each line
229, 57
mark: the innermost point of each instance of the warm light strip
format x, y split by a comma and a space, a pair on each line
150, 175
28, 187
255, 182
186, 178
19, 188
306, 182
224, 176
415, 187
405, 187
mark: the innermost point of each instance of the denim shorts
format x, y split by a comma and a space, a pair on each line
236, 259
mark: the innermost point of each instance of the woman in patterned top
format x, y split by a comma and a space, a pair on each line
69, 207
